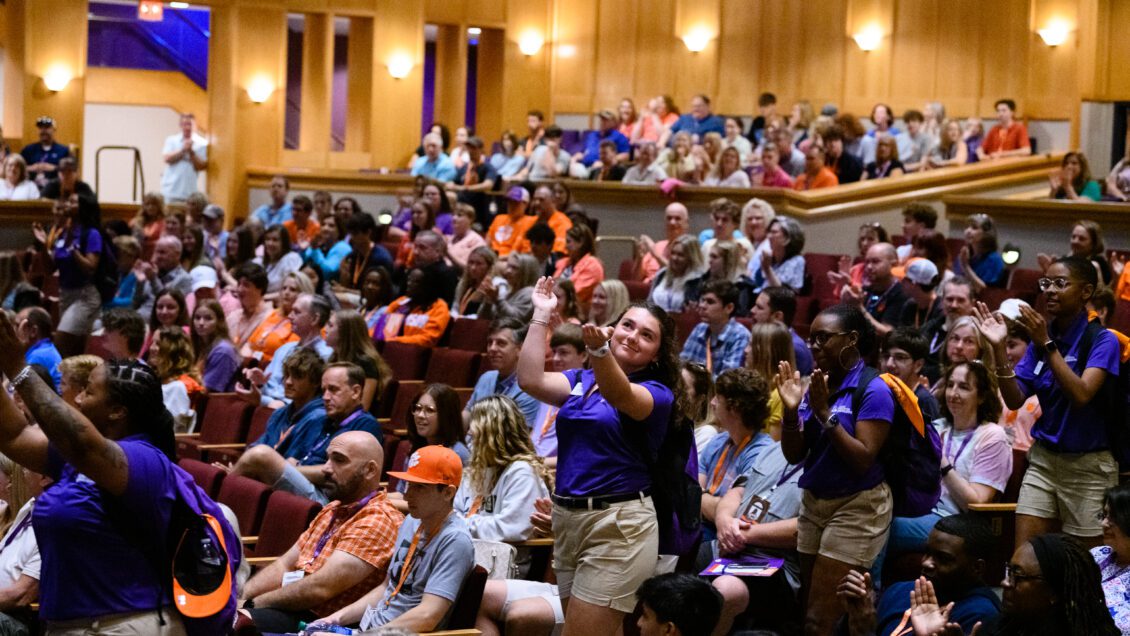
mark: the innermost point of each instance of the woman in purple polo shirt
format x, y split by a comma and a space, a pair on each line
104, 521
1070, 464
73, 247
606, 537
846, 507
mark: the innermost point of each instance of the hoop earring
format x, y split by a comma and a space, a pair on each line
840, 357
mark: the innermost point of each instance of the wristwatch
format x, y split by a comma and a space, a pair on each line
600, 352
1051, 347
946, 469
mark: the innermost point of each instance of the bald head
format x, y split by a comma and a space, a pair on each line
881, 257
354, 461
676, 219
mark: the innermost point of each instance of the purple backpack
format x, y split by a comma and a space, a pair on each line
912, 454
675, 490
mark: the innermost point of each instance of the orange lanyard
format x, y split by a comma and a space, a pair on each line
719, 473
904, 626
359, 265
407, 567
549, 420
274, 328
475, 505
466, 300
709, 356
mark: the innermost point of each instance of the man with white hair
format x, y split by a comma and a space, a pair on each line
645, 171
164, 272
435, 164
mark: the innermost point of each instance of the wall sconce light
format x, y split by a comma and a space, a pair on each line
530, 43
1010, 254
260, 89
567, 50
56, 78
150, 10
869, 38
400, 65
1055, 33
697, 38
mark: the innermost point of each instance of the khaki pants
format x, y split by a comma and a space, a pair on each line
133, 624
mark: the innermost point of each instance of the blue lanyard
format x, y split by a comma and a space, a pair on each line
325, 439
342, 514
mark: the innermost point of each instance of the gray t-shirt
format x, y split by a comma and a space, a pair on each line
438, 567
761, 480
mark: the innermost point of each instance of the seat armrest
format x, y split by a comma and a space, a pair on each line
992, 507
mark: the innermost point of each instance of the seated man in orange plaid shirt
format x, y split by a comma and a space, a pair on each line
342, 555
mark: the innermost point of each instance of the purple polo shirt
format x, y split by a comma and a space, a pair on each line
70, 275
594, 456
826, 474
90, 568
1062, 427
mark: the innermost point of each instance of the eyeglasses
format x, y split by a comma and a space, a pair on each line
420, 409
901, 358
1012, 577
1057, 284
821, 338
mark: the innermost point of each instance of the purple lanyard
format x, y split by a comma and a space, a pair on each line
342, 514
960, 449
15, 533
326, 437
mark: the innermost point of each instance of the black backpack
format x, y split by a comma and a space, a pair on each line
105, 277
911, 456
675, 490
1113, 397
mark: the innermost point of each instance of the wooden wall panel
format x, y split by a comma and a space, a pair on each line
822, 53
739, 56
616, 51
451, 75
781, 24
914, 50
526, 80
397, 104
657, 46
696, 72
359, 69
488, 108
55, 36
574, 55
1005, 41
867, 73
957, 66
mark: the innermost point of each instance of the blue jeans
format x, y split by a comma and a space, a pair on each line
294, 482
908, 534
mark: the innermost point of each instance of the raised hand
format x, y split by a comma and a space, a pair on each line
926, 616
789, 386
992, 326
1044, 261
1034, 324
39, 233
545, 301
594, 336
818, 394
13, 358
1117, 264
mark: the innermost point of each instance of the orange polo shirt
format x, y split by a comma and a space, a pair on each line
825, 179
560, 225
506, 233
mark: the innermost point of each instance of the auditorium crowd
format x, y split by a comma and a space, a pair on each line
731, 434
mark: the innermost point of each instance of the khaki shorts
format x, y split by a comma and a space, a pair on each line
602, 556
850, 529
1068, 487
137, 624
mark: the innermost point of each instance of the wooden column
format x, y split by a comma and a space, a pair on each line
317, 85
490, 72
451, 75
397, 103
54, 42
360, 82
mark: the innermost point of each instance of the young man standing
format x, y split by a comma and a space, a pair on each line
903, 355
718, 342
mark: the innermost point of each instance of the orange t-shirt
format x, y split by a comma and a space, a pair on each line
1011, 138
506, 234
560, 225
825, 179
309, 232
272, 333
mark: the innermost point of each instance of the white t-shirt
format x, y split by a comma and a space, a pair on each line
985, 459
180, 407
179, 179
20, 553
26, 190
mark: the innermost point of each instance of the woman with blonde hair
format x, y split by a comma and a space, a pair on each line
728, 173
348, 335
684, 265
677, 161
13, 491
951, 149
14, 184
770, 344
800, 120
74, 375
609, 300
504, 477
468, 297
173, 363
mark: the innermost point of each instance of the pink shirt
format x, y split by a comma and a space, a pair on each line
777, 179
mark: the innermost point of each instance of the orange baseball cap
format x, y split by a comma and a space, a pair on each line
433, 465
202, 580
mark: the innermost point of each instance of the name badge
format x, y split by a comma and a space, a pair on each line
258, 355
291, 577
756, 510
488, 504
577, 390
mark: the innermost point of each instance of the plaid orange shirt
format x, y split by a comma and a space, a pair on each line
369, 535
